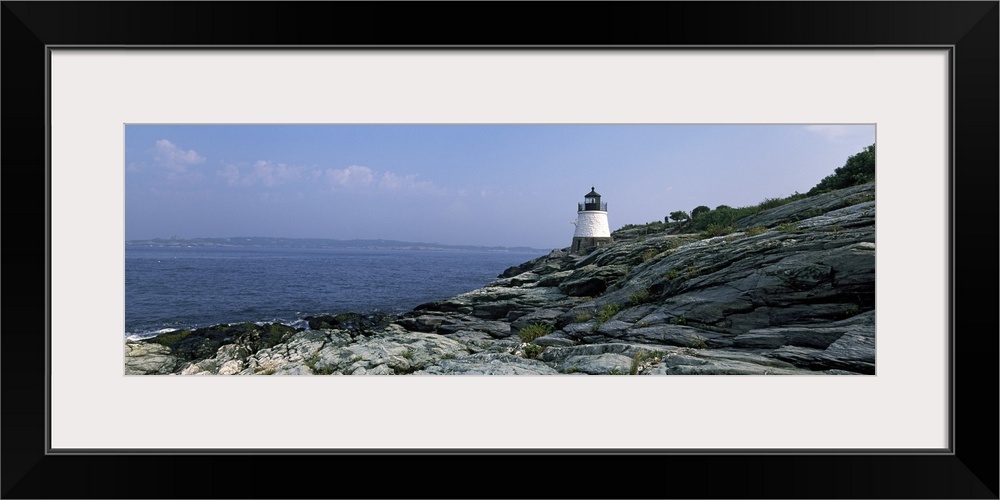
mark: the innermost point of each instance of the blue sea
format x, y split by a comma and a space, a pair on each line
169, 288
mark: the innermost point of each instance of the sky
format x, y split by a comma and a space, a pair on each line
490, 185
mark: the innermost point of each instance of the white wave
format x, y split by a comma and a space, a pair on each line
148, 335
299, 323
295, 323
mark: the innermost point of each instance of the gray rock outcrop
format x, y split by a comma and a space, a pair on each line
791, 291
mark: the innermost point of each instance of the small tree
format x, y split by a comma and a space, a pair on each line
700, 209
679, 215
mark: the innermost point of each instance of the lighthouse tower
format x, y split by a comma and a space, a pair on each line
591, 223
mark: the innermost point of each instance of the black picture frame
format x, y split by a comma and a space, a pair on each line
969, 470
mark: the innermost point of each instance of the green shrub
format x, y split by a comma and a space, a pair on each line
326, 370
788, 227
641, 358
754, 231
851, 310
859, 169
671, 274
723, 216
311, 362
642, 297
609, 311
532, 332
679, 320
648, 254
718, 230
679, 215
769, 203
583, 317
698, 342
533, 350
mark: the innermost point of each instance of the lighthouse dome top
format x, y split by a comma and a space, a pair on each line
592, 201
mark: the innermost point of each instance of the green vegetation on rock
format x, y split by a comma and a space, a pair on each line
532, 351
608, 312
642, 297
532, 332
858, 169
170, 338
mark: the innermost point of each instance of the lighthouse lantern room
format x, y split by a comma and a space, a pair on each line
591, 224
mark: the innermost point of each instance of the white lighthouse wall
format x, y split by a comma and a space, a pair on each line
592, 224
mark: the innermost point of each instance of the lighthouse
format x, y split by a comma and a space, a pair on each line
591, 223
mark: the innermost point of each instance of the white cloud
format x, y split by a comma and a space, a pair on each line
267, 173
173, 158
352, 176
395, 182
273, 174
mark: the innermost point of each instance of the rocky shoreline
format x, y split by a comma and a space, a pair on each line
790, 292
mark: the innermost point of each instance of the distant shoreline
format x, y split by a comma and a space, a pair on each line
268, 242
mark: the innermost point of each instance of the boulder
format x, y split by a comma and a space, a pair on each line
591, 280
143, 358
601, 364
488, 364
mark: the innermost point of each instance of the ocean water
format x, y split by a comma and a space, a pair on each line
170, 288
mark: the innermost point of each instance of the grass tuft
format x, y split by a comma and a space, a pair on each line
718, 230
609, 311
532, 332
642, 297
532, 351
788, 227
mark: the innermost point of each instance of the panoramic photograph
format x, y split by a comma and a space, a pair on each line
476, 249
